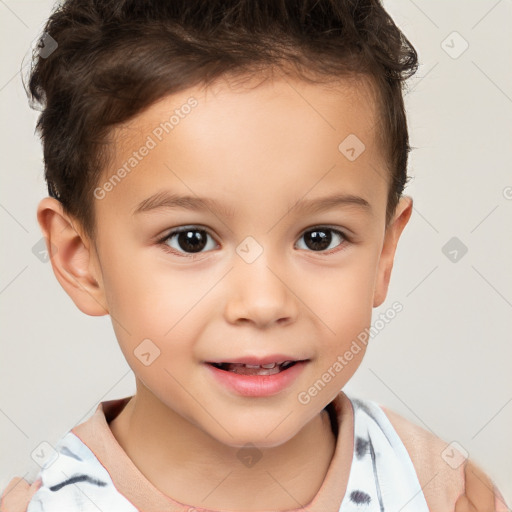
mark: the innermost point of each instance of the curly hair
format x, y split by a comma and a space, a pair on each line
115, 58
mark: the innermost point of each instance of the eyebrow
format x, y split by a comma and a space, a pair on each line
168, 200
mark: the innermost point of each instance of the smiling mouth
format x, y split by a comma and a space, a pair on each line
250, 369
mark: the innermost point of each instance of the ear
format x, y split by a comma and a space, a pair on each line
400, 219
73, 257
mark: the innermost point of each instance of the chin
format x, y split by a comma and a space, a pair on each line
260, 442
255, 435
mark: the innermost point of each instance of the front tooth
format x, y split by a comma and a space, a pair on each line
254, 366
269, 366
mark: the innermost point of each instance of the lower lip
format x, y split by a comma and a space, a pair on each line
257, 385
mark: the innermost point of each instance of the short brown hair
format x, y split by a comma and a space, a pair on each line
115, 58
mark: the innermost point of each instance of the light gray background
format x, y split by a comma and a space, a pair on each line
443, 362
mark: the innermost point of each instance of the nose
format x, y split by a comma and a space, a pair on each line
260, 293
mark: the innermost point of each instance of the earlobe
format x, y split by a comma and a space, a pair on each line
387, 256
72, 258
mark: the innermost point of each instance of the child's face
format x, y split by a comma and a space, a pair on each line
261, 283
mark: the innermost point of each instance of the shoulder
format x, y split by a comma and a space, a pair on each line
439, 466
72, 479
17, 495
450, 482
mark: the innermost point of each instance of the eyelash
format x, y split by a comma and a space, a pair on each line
169, 236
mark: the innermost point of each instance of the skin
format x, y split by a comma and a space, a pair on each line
255, 150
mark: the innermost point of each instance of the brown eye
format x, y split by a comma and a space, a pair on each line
319, 239
189, 240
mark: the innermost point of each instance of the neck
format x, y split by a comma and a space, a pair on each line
188, 465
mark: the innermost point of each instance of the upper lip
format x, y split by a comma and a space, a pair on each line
273, 358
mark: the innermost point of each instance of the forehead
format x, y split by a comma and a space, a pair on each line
237, 138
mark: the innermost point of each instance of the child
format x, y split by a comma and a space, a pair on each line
275, 133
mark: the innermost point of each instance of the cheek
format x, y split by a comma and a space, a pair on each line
140, 288
149, 301
345, 297
343, 313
